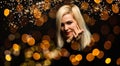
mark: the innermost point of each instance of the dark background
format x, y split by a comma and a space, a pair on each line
48, 28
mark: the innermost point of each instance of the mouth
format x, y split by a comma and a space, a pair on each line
67, 33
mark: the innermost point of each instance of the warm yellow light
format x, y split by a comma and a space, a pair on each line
101, 55
31, 41
115, 8
64, 52
47, 62
55, 54
16, 47
96, 37
38, 64
78, 57
90, 57
36, 56
95, 52
107, 60
72, 58
46, 37
28, 53
116, 30
46, 44
75, 63
84, 5
97, 1
109, 1
118, 61
6, 12
75, 45
107, 45
11, 37
24, 37
8, 57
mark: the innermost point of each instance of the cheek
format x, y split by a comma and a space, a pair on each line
73, 26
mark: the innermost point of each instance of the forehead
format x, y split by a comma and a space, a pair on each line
67, 17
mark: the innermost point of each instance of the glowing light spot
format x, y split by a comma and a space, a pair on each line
24, 37
97, 1
90, 57
72, 58
47, 62
46, 37
75, 63
95, 52
36, 56
16, 47
101, 54
45, 44
8, 57
75, 45
11, 37
116, 30
6, 12
107, 60
78, 57
31, 41
109, 1
96, 37
118, 61
28, 53
64, 52
107, 45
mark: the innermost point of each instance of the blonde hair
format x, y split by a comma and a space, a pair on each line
85, 37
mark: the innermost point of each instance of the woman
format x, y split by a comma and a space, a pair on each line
71, 27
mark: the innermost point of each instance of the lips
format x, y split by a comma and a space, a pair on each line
67, 33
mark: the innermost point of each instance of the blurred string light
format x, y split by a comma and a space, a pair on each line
39, 49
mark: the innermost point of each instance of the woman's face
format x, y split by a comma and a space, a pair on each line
69, 27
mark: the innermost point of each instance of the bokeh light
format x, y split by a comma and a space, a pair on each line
16, 47
8, 57
27, 33
90, 57
108, 60
101, 55
36, 56
96, 37
95, 52
6, 12
107, 45
118, 61
78, 57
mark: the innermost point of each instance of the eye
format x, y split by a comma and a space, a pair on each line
69, 22
62, 24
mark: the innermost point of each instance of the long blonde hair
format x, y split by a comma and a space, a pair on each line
85, 37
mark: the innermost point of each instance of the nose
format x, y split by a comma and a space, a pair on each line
66, 27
